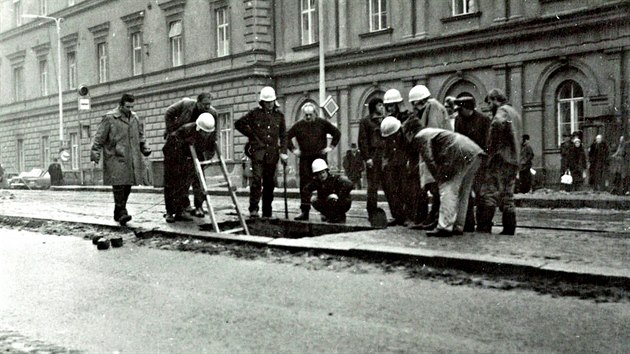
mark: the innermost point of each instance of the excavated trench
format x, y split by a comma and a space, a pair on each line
282, 228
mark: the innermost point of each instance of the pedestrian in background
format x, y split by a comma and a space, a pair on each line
120, 141
449, 104
499, 179
475, 125
598, 163
353, 165
179, 169
621, 168
453, 160
333, 193
1, 176
527, 158
371, 148
182, 112
311, 135
576, 164
56, 174
265, 129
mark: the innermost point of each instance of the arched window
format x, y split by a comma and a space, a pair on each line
570, 108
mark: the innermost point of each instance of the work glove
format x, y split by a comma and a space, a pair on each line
369, 163
284, 157
297, 152
326, 150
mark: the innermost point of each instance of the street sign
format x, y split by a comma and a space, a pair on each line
84, 104
330, 106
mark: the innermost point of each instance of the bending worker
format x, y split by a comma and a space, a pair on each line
311, 135
333, 193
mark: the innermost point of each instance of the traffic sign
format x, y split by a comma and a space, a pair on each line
84, 104
330, 106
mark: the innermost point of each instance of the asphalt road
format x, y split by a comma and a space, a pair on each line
63, 292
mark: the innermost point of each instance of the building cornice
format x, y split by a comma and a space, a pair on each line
172, 7
41, 49
99, 31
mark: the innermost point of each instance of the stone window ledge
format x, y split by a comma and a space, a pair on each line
385, 31
461, 17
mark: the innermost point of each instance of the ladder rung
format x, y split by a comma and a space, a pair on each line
220, 184
233, 231
208, 162
224, 207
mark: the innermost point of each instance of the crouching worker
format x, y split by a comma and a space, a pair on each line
453, 160
333, 193
179, 170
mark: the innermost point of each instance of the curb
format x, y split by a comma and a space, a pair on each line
472, 263
522, 201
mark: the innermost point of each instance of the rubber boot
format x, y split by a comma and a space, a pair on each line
484, 219
304, 216
509, 223
469, 225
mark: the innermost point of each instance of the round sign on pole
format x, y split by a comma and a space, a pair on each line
64, 156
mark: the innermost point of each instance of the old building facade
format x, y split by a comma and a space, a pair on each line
563, 63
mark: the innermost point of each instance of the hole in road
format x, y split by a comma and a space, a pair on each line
281, 228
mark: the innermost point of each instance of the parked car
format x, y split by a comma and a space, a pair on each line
34, 179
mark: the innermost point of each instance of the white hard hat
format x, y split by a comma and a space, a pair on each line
319, 165
267, 94
206, 122
389, 126
392, 96
418, 93
308, 108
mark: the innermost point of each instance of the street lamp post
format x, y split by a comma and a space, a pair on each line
58, 23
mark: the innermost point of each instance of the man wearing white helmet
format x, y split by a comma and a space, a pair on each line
333, 193
185, 111
428, 113
265, 129
311, 135
394, 168
179, 170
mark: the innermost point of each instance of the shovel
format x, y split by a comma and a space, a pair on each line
284, 177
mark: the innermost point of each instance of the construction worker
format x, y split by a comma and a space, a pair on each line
501, 169
394, 168
265, 129
179, 113
311, 135
428, 113
476, 126
371, 148
452, 159
120, 139
333, 193
179, 170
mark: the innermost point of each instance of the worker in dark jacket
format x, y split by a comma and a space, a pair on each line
453, 160
311, 135
525, 166
475, 125
179, 170
185, 111
333, 193
394, 169
598, 163
371, 148
56, 174
265, 129
353, 165
500, 172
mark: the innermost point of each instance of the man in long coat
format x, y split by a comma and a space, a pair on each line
120, 139
598, 160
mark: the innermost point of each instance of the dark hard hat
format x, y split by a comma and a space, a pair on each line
466, 102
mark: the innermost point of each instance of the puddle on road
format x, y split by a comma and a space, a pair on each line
281, 228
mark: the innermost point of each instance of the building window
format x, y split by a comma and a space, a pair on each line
175, 37
20, 155
74, 150
570, 102
136, 53
71, 59
17, 11
225, 136
223, 32
102, 62
462, 7
43, 7
45, 151
18, 83
43, 77
378, 15
309, 22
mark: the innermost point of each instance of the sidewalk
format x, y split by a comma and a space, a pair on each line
587, 245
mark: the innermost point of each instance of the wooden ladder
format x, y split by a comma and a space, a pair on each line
206, 189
